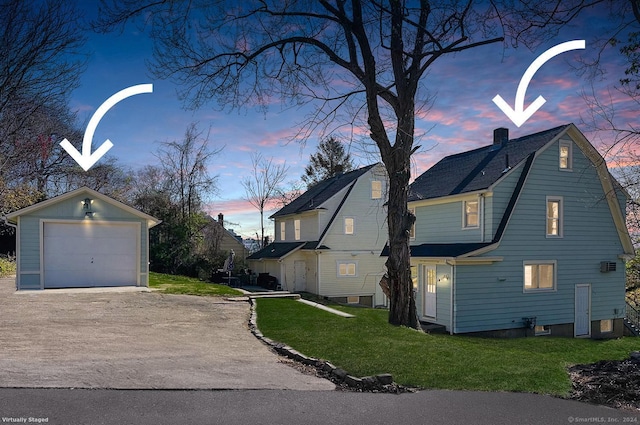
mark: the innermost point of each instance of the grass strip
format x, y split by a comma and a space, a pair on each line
171, 284
368, 345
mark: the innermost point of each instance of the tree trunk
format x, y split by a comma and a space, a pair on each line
402, 311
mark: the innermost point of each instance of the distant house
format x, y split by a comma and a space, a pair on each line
227, 239
328, 240
522, 237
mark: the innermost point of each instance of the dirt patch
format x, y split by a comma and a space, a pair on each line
610, 383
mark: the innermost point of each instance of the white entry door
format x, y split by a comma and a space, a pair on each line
88, 254
429, 291
583, 315
300, 270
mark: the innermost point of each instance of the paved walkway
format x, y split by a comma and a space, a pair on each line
135, 340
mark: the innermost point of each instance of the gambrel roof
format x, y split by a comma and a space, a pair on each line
477, 169
317, 194
480, 169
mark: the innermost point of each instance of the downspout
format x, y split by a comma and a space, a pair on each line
15, 226
6, 221
318, 274
481, 217
452, 304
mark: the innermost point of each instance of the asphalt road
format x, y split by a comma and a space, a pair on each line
97, 407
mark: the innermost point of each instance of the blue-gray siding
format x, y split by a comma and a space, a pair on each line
69, 209
491, 296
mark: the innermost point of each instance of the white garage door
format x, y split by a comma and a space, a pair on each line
90, 254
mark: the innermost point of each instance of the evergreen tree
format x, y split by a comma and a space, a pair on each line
329, 160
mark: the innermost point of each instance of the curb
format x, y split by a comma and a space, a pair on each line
378, 383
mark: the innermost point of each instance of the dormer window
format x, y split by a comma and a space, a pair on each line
470, 214
349, 226
296, 229
565, 155
554, 216
412, 231
376, 189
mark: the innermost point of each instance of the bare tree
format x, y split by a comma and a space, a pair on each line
263, 184
366, 59
40, 56
185, 167
288, 193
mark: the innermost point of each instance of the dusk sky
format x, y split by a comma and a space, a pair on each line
462, 117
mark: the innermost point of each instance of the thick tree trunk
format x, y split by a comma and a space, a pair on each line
402, 311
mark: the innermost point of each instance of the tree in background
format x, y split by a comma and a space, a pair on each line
329, 160
364, 62
263, 185
41, 58
175, 191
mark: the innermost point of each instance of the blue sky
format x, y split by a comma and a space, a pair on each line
462, 116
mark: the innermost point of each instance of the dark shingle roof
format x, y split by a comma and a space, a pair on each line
278, 250
477, 169
440, 250
320, 192
275, 250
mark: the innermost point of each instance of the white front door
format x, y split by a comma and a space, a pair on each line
583, 305
300, 271
429, 291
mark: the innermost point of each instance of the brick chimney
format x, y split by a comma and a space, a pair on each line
500, 136
221, 219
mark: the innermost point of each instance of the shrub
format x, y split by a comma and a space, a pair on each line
7, 266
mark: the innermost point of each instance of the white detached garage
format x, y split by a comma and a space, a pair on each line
81, 239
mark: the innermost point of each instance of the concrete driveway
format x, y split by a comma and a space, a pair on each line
134, 340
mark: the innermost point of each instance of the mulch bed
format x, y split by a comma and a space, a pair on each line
609, 383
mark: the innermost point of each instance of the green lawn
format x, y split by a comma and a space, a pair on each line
171, 284
368, 345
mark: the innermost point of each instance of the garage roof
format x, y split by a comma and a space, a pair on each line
13, 217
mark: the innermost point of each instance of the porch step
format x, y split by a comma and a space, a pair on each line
273, 295
433, 328
631, 328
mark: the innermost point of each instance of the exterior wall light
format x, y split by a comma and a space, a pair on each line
86, 206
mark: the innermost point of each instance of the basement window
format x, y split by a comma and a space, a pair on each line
542, 330
606, 326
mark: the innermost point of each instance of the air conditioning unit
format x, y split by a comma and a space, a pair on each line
608, 266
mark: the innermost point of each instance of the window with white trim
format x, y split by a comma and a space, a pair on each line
412, 231
283, 232
376, 189
471, 214
349, 226
347, 269
539, 276
296, 229
565, 155
554, 217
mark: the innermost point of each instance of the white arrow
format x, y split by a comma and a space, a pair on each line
86, 159
519, 115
